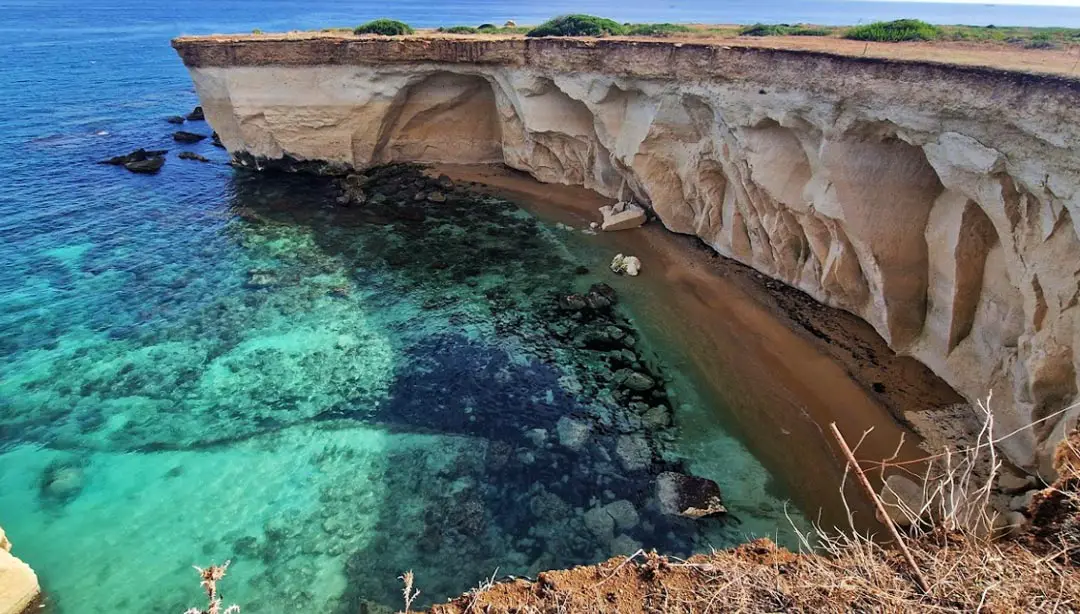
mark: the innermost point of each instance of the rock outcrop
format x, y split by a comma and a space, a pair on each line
18, 583
936, 202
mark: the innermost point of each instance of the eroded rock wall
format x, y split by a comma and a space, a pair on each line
935, 202
18, 583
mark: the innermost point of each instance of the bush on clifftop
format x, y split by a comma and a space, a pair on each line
578, 25
894, 31
655, 29
782, 29
386, 27
460, 30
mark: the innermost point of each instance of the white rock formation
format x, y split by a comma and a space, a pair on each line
18, 583
630, 265
938, 203
622, 216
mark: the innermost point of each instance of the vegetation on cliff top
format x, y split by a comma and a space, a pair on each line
783, 29
894, 31
578, 25
385, 27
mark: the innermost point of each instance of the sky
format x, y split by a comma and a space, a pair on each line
1071, 3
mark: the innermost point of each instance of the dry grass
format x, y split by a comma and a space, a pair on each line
952, 537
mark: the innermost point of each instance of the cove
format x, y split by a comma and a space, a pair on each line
331, 396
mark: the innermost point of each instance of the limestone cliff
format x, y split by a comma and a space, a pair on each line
18, 583
936, 202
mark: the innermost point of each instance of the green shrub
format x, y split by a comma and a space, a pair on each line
256, 31
782, 29
1042, 40
386, 27
578, 25
487, 26
655, 29
460, 30
894, 31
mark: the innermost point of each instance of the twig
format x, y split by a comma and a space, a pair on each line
923, 584
612, 574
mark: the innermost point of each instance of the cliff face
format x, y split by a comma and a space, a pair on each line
18, 583
935, 202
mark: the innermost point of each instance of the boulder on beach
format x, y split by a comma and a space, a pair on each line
175, 119
196, 114
148, 166
183, 136
629, 265
688, 496
622, 216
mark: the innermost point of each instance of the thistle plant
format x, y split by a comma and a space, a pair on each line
210, 577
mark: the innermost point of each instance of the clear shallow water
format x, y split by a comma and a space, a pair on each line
203, 365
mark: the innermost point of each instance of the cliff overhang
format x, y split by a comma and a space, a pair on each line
936, 202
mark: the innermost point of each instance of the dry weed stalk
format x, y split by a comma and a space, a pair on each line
210, 577
408, 592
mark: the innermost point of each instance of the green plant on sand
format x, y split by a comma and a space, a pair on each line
655, 29
385, 27
894, 31
578, 25
783, 29
460, 30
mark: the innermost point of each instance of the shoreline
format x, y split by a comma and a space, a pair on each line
786, 365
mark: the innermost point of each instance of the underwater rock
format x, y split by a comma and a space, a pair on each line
538, 437
191, 155
633, 452
436, 197
623, 513
601, 296
657, 418
572, 433
175, 119
183, 136
61, 481
634, 380
445, 182
572, 302
629, 265
259, 279
623, 545
688, 496
599, 523
196, 114
622, 216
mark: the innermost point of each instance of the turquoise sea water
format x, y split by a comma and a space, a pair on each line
206, 365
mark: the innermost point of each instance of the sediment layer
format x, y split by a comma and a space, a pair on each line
936, 202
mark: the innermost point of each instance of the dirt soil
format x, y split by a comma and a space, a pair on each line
1064, 61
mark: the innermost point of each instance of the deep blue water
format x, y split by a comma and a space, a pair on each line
203, 365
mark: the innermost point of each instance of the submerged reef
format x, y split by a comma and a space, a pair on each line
345, 389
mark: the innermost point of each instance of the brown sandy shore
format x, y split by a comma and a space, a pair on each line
1061, 62
785, 365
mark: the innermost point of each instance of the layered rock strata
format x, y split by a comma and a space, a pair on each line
936, 202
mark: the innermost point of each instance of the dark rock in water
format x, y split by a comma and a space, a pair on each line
445, 182
196, 114
290, 164
419, 196
605, 291
148, 166
216, 140
688, 496
572, 302
352, 190
138, 155
183, 136
191, 155
61, 481
436, 197
635, 380
582, 270
175, 119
